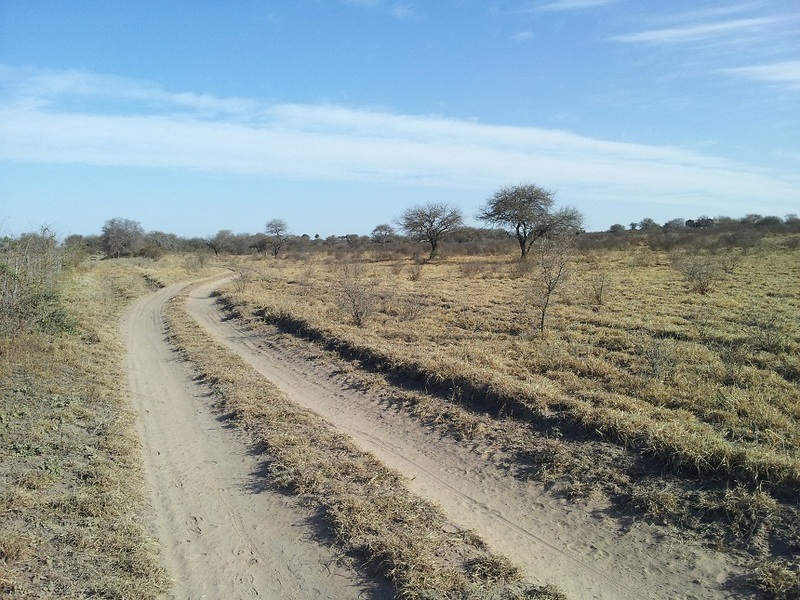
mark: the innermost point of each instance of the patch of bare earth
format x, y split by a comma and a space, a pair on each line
583, 548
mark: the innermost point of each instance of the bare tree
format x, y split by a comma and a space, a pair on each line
122, 237
550, 269
278, 232
528, 210
430, 223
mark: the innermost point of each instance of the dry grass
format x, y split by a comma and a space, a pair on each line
368, 506
70, 509
706, 384
71, 504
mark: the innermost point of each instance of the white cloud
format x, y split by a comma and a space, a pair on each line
38, 123
523, 36
697, 31
786, 73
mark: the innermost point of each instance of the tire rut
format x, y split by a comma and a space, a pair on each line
583, 550
219, 538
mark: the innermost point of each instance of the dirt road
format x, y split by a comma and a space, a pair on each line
222, 540
220, 537
586, 553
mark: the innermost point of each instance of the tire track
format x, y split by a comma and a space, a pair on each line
219, 539
585, 553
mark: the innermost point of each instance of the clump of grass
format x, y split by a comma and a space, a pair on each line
777, 578
549, 592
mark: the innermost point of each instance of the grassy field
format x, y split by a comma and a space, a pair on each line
666, 381
696, 379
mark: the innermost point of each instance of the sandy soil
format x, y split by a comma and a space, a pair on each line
200, 474
222, 535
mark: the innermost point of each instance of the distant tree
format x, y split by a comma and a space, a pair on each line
222, 241
278, 233
383, 234
769, 222
648, 223
83, 244
750, 219
167, 242
196, 243
675, 224
258, 242
634, 226
529, 211
352, 239
616, 228
704, 222
121, 237
430, 223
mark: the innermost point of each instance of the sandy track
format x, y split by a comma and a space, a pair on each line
585, 552
221, 536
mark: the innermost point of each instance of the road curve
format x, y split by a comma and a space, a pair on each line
221, 535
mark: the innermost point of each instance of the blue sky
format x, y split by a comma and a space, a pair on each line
335, 115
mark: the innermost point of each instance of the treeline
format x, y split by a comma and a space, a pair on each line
700, 233
32, 259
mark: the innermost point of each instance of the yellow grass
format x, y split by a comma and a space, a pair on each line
707, 382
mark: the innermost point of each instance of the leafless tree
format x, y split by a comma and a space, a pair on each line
549, 270
430, 223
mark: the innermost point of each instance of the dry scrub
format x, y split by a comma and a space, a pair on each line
374, 516
701, 385
70, 505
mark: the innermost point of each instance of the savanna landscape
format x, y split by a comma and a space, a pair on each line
570, 415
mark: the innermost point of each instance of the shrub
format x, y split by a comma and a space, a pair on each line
358, 293
701, 271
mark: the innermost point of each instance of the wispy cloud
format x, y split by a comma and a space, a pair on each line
399, 10
560, 5
697, 31
786, 73
40, 122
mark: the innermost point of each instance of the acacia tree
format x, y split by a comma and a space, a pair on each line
430, 223
382, 234
222, 241
528, 210
278, 233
